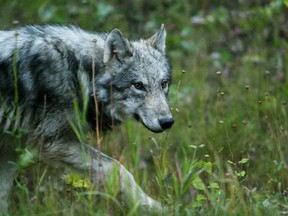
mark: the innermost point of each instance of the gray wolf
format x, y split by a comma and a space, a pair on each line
47, 71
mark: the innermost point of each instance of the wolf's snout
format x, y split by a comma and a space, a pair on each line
166, 123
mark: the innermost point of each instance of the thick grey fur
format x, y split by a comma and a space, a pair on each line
46, 71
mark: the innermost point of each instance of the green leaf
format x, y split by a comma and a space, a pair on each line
27, 158
241, 173
198, 184
206, 166
197, 204
200, 197
243, 160
214, 185
231, 162
77, 181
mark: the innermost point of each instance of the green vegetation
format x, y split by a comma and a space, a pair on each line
226, 153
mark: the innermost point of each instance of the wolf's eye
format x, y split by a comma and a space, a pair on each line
164, 84
139, 86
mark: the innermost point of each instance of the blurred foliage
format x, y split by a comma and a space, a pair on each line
228, 147
232, 27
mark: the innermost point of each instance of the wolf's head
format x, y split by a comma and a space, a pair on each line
136, 80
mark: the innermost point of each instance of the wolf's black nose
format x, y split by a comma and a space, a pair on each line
166, 123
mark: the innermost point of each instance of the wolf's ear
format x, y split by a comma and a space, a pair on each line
158, 39
116, 45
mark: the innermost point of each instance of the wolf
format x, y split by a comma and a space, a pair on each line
47, 72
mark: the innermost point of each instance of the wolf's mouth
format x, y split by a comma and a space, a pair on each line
154, 130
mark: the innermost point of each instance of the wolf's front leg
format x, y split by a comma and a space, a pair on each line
84, 157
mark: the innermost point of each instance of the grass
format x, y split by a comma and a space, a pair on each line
226, 153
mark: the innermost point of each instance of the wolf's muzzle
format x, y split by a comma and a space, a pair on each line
166, 123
